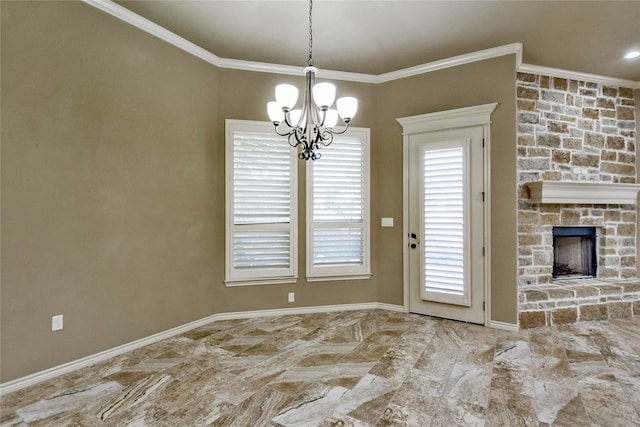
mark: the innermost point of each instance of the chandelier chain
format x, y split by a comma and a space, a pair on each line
310, 61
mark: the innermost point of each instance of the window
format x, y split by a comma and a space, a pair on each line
338, 209
261, 205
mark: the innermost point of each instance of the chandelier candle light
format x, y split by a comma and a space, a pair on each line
311, 127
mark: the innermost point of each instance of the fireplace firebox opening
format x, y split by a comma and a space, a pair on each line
574, 252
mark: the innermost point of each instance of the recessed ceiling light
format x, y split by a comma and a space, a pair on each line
632, 54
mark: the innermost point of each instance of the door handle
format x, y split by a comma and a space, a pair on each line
416, 242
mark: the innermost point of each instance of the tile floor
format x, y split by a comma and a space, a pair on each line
357, 368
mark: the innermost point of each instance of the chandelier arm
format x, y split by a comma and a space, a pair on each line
322, 116
287, 120
346, 127
300, 136
325, 138
292, 136
287, 133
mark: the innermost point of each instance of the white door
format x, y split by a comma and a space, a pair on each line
446, 236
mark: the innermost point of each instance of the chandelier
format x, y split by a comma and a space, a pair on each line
311, 127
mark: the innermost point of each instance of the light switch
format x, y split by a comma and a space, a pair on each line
387, 222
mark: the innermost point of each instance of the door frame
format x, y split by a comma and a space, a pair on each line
479, 115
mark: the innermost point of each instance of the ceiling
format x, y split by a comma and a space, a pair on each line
376, 37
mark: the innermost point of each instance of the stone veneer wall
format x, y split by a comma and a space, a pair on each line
571, 130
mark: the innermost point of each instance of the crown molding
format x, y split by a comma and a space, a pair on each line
263, 67
481, 55
575, 75
162, 33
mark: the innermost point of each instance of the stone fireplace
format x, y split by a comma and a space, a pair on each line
576, 169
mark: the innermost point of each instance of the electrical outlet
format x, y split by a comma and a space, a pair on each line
57, 322
292, 296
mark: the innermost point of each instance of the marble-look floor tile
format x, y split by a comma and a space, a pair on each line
607, 403
256, 410
396, 362
511, 396
359, 368
68, 402
419, 392
559, 404
627, 330
248, 382
471, 374
400, 416
368, 398
133, 395
454, 412
312, 407
343, 421
469, 383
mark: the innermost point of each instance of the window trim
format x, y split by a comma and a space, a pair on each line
233, 277
318, 274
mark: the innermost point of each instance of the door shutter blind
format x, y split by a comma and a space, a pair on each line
261, 206
444, 211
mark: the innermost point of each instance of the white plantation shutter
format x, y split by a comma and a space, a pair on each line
261, 178
261, 204
445, 234
338, 207
338, 247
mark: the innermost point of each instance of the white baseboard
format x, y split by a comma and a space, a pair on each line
392, 307
38, 377
56, 371
513, 327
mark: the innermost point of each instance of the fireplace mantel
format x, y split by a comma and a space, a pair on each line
581, 192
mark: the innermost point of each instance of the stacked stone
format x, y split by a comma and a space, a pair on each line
575, 131
569, 130
577, 300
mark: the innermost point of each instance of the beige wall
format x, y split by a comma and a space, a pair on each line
113, 183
